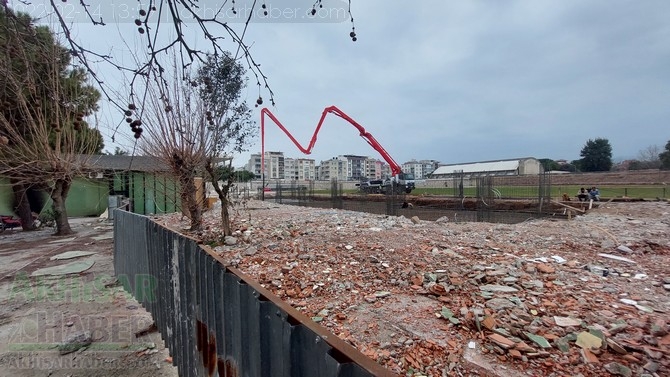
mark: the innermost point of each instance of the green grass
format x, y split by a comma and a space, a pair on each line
646, 192
631, 191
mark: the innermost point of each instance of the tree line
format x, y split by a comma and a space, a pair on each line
191, 117
596, 156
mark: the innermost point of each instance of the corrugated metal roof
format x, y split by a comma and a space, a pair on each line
131, 163
478, 167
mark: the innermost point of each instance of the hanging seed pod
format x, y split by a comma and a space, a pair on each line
137, 135
259, 101
131, 106
143, 12
128, 113
140, 30
138, 22
168, 108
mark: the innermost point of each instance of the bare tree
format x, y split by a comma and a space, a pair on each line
192, 120
176, 132
216, 23
43, 136
649, 157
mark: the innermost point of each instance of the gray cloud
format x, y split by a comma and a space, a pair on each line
473, 80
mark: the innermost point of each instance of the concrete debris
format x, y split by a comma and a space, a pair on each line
75, 342
616, 257
567, 321
71, 255
497, 288
64, 269
624, 249
542, 298
588, 340
619, 370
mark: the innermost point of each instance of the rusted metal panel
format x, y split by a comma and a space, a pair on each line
216, 321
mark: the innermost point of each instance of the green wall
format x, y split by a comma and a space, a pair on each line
150, 193
86, 198
6, 197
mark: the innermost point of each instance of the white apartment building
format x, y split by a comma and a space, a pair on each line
303, 169
274, 165
343, 167
254, 164
421, 168
335, 168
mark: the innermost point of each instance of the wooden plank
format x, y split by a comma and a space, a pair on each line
569, 207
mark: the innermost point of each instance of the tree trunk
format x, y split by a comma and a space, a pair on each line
58, 196
189, 200
225, 216
222, 192
22, 205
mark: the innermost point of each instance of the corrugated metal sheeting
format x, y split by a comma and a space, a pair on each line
217, 322
477, 167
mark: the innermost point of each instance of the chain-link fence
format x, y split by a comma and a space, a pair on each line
484, 198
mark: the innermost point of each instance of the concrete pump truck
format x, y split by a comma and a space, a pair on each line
398, 183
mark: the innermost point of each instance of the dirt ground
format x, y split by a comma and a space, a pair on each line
587, 297
37, 313
544, 298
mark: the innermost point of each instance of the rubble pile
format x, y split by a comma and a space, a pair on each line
587, 297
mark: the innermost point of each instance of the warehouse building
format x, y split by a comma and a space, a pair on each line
517, 166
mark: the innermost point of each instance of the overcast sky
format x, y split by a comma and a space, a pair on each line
460, 81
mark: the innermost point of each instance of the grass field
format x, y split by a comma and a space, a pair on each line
629, 191
644, 192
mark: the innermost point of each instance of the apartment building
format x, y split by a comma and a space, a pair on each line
421, 168
303, 169
343, 167
335, 168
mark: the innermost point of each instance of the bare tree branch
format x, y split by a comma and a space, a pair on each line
215, 29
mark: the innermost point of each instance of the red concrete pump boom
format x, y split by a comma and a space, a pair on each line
395, 168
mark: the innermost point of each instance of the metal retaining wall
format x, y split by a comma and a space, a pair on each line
215, 320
